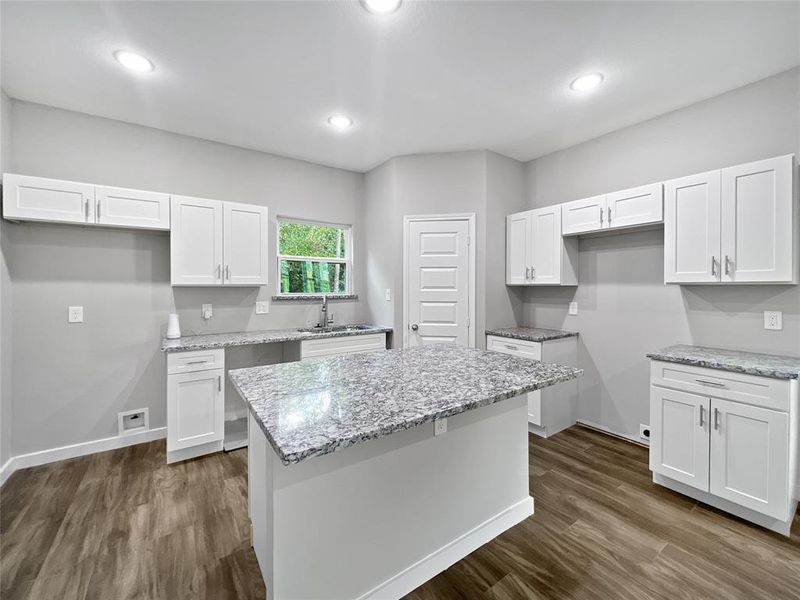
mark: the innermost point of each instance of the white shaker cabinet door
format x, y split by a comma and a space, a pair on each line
692, 229
758, 212
679, 436
583, 216
120, 207
52, 200
195, 409
196, 241
518, 248
750, 456
546, 240
636, 206
245, 235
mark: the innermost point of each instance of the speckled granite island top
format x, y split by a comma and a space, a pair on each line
531, 334
751, 363
243, 338
318, 406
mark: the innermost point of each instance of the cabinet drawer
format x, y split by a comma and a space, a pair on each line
343, 345
749, 389
196, 360
520, 348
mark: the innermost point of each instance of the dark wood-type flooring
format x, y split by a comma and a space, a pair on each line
123, 524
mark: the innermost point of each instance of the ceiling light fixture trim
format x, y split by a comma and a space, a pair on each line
587, 82
381, 7
133, 61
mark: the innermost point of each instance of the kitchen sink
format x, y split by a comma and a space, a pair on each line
334, 328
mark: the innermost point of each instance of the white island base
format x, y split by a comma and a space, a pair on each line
378, 519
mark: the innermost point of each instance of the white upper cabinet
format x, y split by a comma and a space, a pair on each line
583, 216
636, 206
759, 222
245, 244
691, 229
122, 207
52, 200
735, 225
218, 243
518, 248
536, 253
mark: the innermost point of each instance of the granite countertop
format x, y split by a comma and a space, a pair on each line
318, 406
752, 363
223, 340
531, 334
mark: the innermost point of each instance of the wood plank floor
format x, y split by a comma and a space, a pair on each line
123, 524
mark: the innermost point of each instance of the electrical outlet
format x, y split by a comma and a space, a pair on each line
262, 307
207, 311
388, 295
773, 319
573, 308
75, 314
644, 432
439, 426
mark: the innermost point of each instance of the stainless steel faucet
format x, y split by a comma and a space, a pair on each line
327, 318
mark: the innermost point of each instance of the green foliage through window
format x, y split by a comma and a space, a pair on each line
313, 258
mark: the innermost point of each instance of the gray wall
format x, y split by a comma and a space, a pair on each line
6, 333
625, 310
71, 380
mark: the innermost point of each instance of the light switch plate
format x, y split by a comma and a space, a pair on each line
388, 295
773, 319
262, 307
206, 311
573, 308
75, 314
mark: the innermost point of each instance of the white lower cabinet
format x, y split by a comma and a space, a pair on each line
195, 404
731, 444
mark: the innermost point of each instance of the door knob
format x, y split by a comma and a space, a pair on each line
414, 327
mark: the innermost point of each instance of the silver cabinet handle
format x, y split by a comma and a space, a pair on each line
727, 265
510, 346
219, 271
716, 418
527, 272
86, 208
228, 271
533, 272
609, 215
601, 215
414, 327
97, 210
713, 265
196, 362
714, 383
702, 408
219, 383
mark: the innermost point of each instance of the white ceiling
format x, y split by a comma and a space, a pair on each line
435, 76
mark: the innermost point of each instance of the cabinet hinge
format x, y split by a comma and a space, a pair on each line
469, 240
468, 322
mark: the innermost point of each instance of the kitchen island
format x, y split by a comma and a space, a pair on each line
371, 473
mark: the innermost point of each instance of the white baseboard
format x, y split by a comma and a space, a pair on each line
42, 457
609, 431
437, 561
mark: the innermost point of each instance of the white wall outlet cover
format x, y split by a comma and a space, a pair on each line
573, 308
439, 426
773, 319
388, 295
207, 311
262, 307
75, 314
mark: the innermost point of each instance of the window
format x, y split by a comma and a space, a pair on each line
313, 258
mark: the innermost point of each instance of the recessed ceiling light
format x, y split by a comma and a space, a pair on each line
133, 61
381, 7
340, 122
584, 83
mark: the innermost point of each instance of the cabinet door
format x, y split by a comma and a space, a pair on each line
195, 409
750, 457
679, 436
691, 229
518, 248
546, 242
131, 208
196, 241
757, 221
581, 216
53, 200
245, 240
636, 206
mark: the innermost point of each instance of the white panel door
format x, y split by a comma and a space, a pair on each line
582, 216
122, 207
196, 241
757, 221
692, 229
53, 200
438, 282
518, 248
546, 241
750, 457
245, 242
679, 439
195, 409
636, 206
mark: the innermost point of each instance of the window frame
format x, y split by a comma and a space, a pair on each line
347, 260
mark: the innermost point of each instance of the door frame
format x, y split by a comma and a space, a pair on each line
471, 285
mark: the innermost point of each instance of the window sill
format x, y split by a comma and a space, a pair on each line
313, 297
